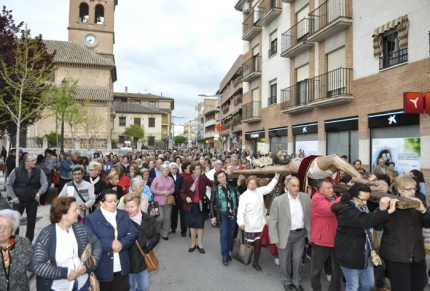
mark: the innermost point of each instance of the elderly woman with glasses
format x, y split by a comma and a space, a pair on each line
138, 186
354, 240
162, 187
14, 249
59, 248
402, 244
116, 233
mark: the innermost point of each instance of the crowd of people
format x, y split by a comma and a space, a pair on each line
111, 207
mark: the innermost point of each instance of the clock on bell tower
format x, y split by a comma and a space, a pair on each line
91, 23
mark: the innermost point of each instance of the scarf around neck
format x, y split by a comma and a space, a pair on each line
196, 180
6, 255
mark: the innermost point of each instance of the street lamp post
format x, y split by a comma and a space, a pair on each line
62, 119
173, 129
219, 96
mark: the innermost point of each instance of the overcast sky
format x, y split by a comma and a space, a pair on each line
180, 48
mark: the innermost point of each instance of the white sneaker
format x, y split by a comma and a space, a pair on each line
276, 260
328, 278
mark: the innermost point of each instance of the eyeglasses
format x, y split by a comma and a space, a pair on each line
362, 200
4, 227
410, 189
111, 201
32, 161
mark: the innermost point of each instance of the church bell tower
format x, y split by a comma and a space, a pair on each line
91, 23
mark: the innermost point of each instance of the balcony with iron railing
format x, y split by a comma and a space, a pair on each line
295, 40
237, 100
225, 109
329, 18
251, 25
393, 59
210, 122
251, 69
271, 100
273, 50
329, 89
251, 112
209, 134
270, 9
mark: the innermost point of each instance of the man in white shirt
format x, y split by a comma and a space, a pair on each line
217, 165
289, 225
85, 197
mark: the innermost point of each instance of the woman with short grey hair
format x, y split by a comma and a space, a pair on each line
162, 187
16, 249
138, 186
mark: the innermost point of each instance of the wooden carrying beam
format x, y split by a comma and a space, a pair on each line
375, 196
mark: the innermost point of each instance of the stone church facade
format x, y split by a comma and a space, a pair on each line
88, 56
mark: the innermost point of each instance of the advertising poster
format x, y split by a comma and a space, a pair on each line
404, 152
308, 147
261, 146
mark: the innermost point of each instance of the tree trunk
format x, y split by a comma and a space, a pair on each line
56, 130
71, 134
18, 130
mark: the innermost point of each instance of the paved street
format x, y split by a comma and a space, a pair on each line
180, 270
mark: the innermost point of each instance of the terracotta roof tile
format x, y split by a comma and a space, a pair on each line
94, 93
135, 108
139, 95
75, 53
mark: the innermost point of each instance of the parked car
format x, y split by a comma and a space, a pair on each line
124, 151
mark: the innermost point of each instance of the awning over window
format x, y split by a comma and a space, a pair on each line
401, 23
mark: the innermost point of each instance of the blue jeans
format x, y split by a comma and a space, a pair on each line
359, 280
226, 230
140, 281
31, 209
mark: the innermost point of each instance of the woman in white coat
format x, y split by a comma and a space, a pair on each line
251, 214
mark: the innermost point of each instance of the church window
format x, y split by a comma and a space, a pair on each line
100, 14
84, 12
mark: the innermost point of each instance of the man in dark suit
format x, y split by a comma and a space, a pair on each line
289, 225
155, 172
381, 168
179, 207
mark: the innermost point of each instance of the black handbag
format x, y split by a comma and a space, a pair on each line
241, 251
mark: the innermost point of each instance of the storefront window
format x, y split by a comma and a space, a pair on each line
343, 143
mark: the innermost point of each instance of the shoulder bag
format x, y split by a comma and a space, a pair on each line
151, 261
88, 259
170, 198
241, 252
80, 219
376, 260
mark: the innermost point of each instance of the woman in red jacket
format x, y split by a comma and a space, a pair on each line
193, 191
124, 181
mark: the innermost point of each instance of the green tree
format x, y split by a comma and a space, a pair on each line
179, 139
26, 89
134, 130
52, 138
73, 117
63, 98
91, 122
